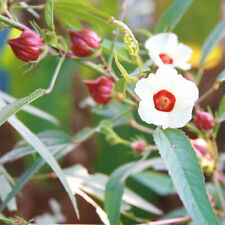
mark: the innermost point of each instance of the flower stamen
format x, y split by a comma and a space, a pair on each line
166, 58
164, 101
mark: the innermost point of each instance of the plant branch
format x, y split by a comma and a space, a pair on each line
55, 75
12, 23
133, 123
169, 221
208, 93
36, 7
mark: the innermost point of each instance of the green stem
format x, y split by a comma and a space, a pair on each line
36, 7
192, 128
205, 95
199, 75
91, 65
12, 23
6, 220
55, 75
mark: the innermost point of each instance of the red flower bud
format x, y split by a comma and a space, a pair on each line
204, 120
138, 146
100, 89
27, 46
82, 40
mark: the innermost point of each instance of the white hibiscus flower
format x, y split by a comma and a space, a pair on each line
164, 49
167, 99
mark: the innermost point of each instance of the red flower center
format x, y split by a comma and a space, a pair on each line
165, 58
164, 101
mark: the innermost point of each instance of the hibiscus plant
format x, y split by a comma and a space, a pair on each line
175, 141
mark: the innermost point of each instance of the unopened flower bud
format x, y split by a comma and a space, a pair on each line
200, 146
203, 150
204, 120
27, 46
100, 89
138, 146
82, 40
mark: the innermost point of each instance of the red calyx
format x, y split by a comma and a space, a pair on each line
100, 89
138, 146
204, 120
166, 58
164, 101
27, 46
82, 40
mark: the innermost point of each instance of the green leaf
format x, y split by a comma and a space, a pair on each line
172, 16
175, 213
14, 107
182, 164
49, 18
221, 77
212, 40
115, 187
6, 188
52, 139
120, 86
30, 109
94, 184
34, 141
74, 5
30, 172
158, 182
221, 109
120, 49
83, 16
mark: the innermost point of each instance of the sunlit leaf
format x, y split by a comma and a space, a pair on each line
54, 140
14, 107
221, 77
30, 109
6, 188
49, 18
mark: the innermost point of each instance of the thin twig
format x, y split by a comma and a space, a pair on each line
36, 7
55, 75
12, 23
206, 94
133, 123
169, 221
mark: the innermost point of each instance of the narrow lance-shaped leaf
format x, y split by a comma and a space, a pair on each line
14, 107
221, 77
34, 141
212, 40
49, 14
173, 15
115, 188
30, 109
76, 5
182, 164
